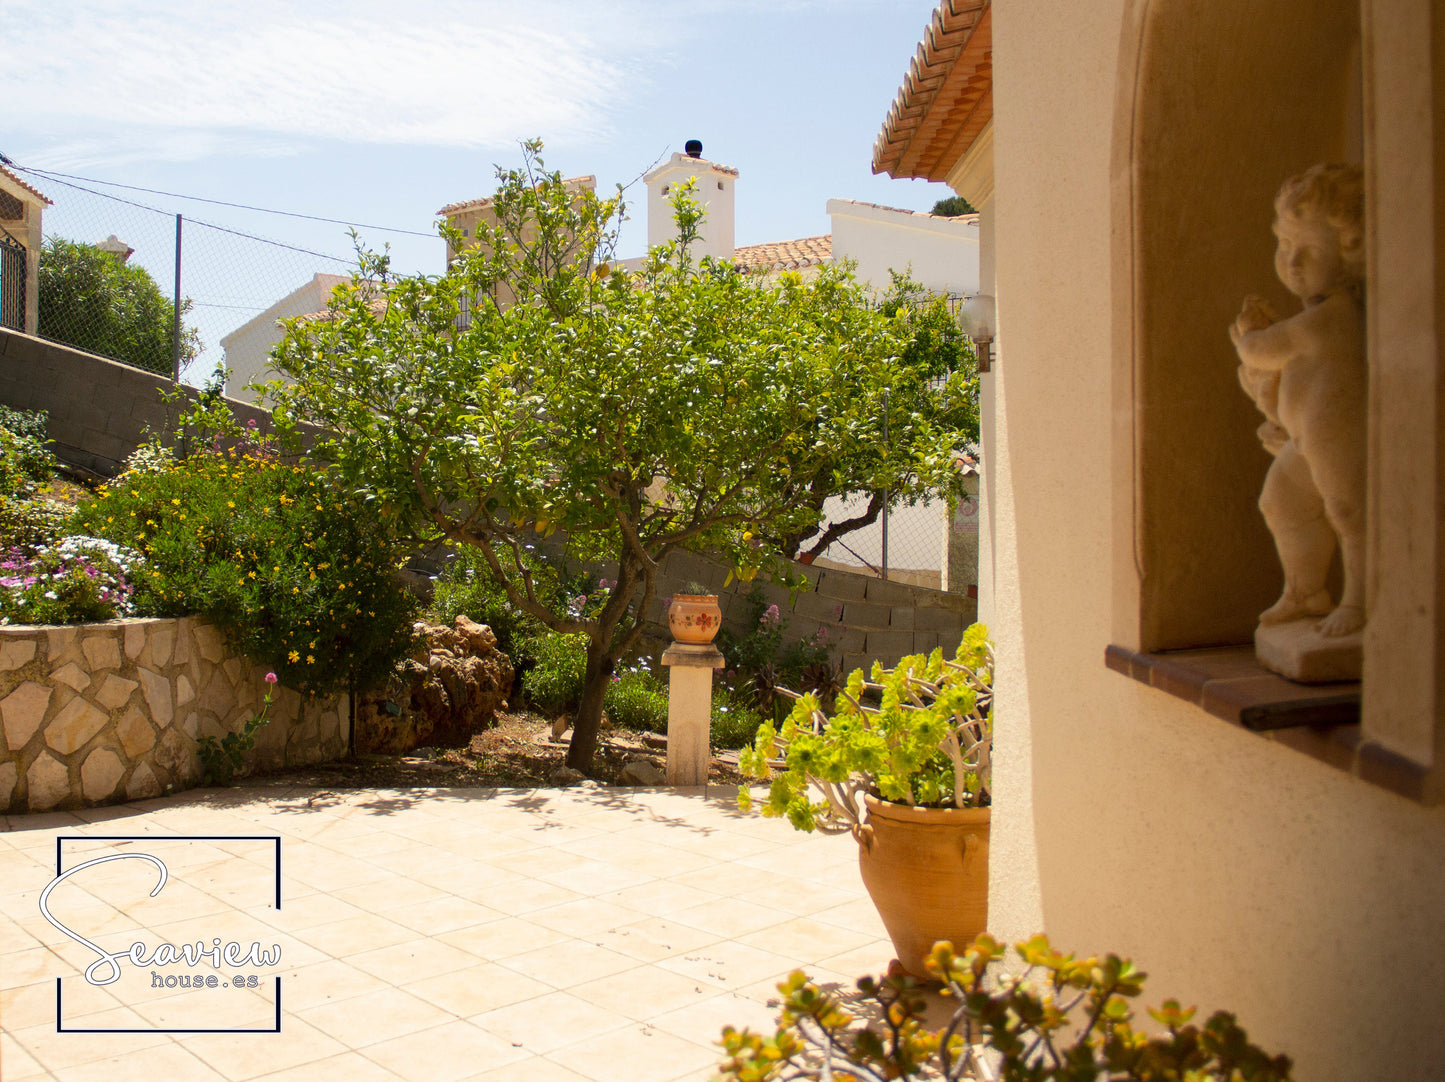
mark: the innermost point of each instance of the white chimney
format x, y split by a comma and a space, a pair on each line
714, 190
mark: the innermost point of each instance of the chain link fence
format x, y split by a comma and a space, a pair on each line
112, 259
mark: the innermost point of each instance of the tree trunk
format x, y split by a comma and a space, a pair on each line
588, 720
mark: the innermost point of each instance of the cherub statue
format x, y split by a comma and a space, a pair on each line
1307, 374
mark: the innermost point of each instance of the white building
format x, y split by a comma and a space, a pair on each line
248, 347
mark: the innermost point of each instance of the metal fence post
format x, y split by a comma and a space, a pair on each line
176, 332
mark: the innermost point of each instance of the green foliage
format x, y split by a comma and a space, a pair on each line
554, 682
952, 206
927, 742
637, 700
76, 580
31, 525
91, 300
300, 580
759, 664
687, 405
1061, 1019
735, 721
30, 423
24, 463
467, 587
220, 760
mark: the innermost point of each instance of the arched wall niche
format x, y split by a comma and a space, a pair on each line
1228, 98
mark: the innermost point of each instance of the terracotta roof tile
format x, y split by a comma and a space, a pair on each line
473, 204
785, 254
947, 96
48, 201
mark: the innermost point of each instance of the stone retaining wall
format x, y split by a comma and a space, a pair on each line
102, 713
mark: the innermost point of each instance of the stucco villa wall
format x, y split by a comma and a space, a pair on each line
102, 713
1238, 872
941, 253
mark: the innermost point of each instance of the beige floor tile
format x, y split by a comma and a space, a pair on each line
594, 877
584, 917
869, 960
59, 1052
307, 911
445, 914
375, 1016
808, 897
549, 1022
637, 1053
729, 965
413, 961
329, 981
356, 935
652, 939
859, 915
164, 1061
804, 940
331, 872
572, 962
518, 896
16, 1063
638, 856
723, 879
538, 862
660, 898
702, 1023
389, 894
478, 988
220, 1008
247, 1055
40, 964
643, 993
532, 1069
501, 939
729, 917
351, 1066
445, 1053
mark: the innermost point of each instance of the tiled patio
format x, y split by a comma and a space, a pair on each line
538, 935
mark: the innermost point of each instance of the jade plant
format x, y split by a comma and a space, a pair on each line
920, 733
1061, 1019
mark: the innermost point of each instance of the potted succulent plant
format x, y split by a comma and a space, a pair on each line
904, 765
693, 616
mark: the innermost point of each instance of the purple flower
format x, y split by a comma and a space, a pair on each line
270, 676
771, 618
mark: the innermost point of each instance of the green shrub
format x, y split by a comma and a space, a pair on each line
24, 463
299, 579
554, 682
637, 700
31, 525
29, 423
466, 588
78, 580
735, 721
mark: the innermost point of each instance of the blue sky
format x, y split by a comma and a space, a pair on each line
379, 113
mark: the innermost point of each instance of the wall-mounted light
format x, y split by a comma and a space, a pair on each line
977, 320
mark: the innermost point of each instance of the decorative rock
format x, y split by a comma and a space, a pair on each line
450, 688
15, 654
72, 676
209, 644
115, 691
560, 725
8, 776
60, 645
158, 696
173, 753
566, 776
23, 710
135, 639
135, 732
142, 784
99, 774
184, 691
49, 782
73, 726
640, 772
159, 646
102, 651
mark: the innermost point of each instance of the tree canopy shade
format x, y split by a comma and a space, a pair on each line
952, 206
686, 405
92, 300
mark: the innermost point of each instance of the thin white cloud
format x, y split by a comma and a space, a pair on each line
182, 78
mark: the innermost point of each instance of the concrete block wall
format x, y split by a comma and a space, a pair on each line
867, 618
96, 714
99, 409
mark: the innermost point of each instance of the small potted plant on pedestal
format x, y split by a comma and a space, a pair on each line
904, 765
694, 616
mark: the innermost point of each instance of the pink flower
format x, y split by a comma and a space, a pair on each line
270, 678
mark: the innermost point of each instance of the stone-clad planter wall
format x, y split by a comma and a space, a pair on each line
101, 713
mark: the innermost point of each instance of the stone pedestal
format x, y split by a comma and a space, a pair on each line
689, 711
1297, 650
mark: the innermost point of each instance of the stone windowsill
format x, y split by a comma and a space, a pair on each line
1321, 720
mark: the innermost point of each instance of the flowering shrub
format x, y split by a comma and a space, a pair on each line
758, 662
637, 700
554, 682
80, 579
221, 760
299, 580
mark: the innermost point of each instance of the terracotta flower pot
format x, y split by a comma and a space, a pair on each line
694, 618
926, 870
